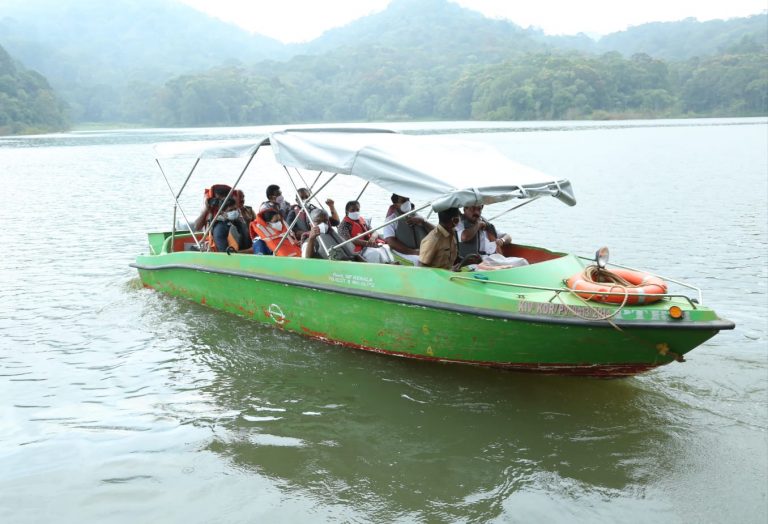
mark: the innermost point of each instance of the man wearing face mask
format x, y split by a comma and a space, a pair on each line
275, 201
405, 236
322, 237
370, 246
302, 225
440, 248
230, 230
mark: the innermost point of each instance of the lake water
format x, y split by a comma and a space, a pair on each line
123, 405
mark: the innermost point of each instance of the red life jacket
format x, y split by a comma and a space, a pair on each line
358, 227
271, 236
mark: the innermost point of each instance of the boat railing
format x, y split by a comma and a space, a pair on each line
558, 290
700, 299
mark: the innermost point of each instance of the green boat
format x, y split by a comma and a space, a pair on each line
523, 318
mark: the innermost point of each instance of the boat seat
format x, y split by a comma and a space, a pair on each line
181, 242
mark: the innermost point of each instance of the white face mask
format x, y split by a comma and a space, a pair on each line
405, 207
233, 215
277, 225
280, 199
323, 228
354, 216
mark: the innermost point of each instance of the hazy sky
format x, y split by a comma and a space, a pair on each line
301, 20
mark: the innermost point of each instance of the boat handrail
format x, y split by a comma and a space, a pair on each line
559, 290
678, 282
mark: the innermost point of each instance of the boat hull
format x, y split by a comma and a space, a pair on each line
344, 303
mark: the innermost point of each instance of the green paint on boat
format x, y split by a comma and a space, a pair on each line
437, 314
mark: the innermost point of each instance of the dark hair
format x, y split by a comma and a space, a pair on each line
272, 189
350, 204
303, 190
447, 215
395, 197
268, 215
227, 203
221, 192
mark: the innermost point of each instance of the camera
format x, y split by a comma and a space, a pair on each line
214, 202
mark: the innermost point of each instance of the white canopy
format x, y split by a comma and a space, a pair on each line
443, 170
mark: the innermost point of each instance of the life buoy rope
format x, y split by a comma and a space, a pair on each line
632, 287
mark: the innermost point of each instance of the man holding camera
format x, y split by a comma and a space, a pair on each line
211, 207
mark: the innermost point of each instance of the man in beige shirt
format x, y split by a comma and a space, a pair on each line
440, 248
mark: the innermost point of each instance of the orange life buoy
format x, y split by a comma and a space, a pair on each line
272, 236
643, 286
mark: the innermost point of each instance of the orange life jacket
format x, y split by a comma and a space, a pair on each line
271, 236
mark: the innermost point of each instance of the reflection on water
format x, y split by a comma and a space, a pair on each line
123, 405
395, 438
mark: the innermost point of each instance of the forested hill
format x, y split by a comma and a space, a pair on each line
689, 38
106, 56
431, 59
27, 102
434, 27
160, 62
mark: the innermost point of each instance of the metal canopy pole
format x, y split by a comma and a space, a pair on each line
176, 202
514, 207
385, 224
363, 190
304, 207
312, 194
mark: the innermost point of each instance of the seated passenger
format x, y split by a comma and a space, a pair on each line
268, 230
322, 237
476, 235
230, 230
213, 198
247, 212
302, 225
275, 201
405, 236
370, 247
440, 248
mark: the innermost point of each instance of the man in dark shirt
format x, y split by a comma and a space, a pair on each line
230, 230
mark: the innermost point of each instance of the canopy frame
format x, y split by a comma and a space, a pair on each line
367, 156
